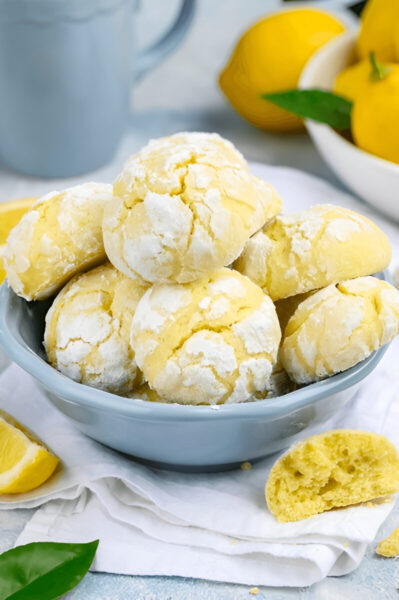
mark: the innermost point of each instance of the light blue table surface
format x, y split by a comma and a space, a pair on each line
375, 578
183, 94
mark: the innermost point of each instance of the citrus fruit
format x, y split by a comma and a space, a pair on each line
10, 214
375, 116
353, 80
356, 79
269, 58
25, 463
379, 27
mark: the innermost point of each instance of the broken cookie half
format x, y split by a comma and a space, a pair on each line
330, 470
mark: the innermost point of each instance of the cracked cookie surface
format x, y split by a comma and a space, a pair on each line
212, 341
60, 236
279, 384
183, 206
87, 334
308, 250
338, 326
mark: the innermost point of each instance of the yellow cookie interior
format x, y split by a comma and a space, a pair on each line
390, 546
329, 470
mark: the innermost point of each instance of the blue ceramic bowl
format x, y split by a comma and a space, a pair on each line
172, 436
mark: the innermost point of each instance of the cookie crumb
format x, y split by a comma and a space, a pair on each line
389, 547
246, 466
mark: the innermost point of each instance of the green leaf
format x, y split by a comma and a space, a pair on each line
43, 570
318, 105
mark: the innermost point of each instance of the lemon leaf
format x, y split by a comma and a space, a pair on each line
314, 104
43, 570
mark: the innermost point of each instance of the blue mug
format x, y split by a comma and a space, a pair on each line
66, 70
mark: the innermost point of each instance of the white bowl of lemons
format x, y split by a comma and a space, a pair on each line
308, 48
374, 179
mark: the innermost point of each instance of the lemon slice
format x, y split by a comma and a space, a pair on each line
25, 463
10, 214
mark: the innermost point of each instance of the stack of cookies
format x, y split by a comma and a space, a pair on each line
181, 283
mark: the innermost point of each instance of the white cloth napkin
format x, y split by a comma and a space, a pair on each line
213, 526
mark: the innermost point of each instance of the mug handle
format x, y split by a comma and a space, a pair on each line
150, 57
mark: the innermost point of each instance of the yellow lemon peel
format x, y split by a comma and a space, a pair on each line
376, 110
379, 30
269, 57
25, 463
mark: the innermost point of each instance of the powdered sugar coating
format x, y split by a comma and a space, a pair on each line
218, 345
87, 335
60, 236
311, 249
183, 206
339, 326
254, 330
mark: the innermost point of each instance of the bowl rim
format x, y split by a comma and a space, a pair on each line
305, 81
60, 385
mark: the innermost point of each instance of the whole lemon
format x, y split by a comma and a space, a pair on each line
375, 117
270, 57
379, 27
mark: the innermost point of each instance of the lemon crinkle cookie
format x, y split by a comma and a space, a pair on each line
304, 251
183, 206
338, 326
329, 470
279, 384
60, 236
87, 335
207, 342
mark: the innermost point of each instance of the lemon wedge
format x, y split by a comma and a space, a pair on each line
10, 214
25, 463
